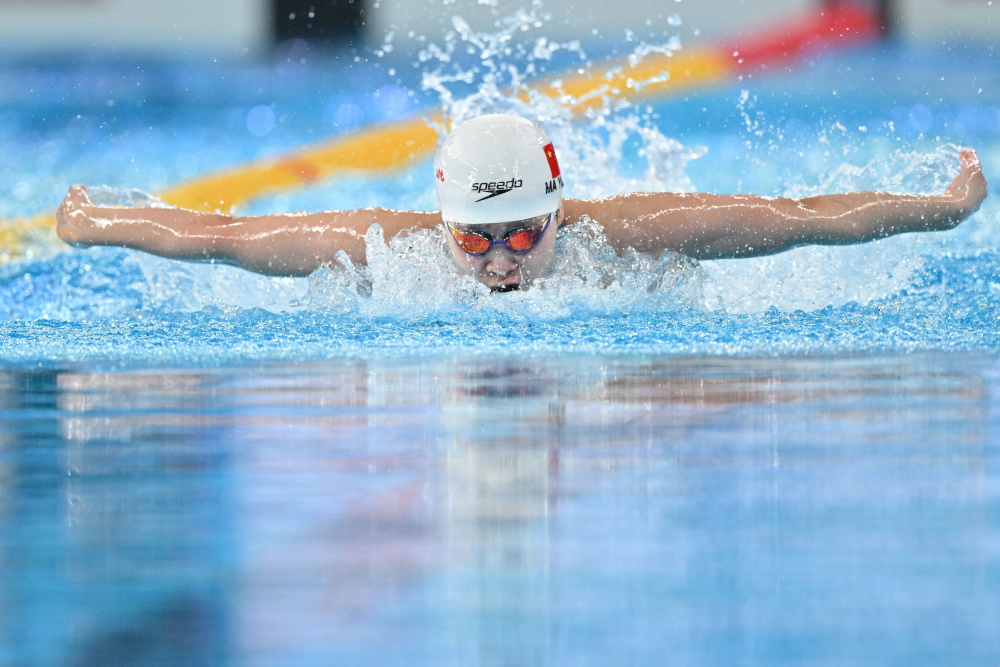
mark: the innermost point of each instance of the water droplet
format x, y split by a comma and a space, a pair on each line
261, 120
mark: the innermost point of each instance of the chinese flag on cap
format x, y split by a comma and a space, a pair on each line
550, 153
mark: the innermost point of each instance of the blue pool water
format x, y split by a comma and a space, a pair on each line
635, 509
787, 460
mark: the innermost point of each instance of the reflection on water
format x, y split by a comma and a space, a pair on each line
484, 511
111, 547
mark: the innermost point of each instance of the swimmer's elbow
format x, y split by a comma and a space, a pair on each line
821, 206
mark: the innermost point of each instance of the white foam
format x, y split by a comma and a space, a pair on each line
413, 278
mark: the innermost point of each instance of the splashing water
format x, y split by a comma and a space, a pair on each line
412, 279
592, 149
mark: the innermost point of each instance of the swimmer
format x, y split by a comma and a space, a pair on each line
500, 191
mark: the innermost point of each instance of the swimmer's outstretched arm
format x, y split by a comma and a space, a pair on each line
707, 226
279, 245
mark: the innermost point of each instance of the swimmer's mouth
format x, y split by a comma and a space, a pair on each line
506, 288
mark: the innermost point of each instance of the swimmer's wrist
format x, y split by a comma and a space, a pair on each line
953, 208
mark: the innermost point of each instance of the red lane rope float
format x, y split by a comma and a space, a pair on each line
384, 147
839, 24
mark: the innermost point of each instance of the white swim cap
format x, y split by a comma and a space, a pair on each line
497, 168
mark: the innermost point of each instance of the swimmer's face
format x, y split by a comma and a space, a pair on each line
500, 268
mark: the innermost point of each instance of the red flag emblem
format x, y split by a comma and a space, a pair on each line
550, 153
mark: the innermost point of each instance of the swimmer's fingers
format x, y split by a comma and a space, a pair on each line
969, 187
76, 198
71, 217
969, 159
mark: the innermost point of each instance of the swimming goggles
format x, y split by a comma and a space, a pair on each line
519, 240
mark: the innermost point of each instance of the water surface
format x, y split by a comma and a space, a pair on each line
569, 510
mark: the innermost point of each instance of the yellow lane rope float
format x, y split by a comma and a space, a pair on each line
391, 146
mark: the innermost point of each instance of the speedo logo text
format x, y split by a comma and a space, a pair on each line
496, 188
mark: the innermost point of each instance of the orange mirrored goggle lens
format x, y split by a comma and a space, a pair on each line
470, 242
519, 240
525, 239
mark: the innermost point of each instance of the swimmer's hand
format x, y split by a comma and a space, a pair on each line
968, 190
72, 219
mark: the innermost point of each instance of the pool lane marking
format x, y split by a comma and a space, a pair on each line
390, 146
377, 148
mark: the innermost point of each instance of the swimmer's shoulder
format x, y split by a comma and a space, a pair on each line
615, 209
606, 211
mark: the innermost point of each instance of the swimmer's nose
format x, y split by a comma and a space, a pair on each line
500, 261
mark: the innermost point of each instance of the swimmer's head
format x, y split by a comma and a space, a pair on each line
495, 169
495, 175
